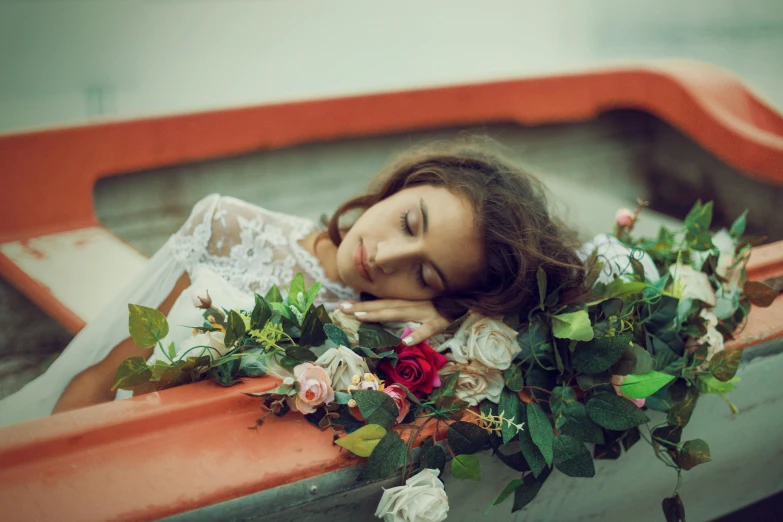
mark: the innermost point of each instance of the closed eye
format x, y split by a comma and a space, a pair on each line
404, 224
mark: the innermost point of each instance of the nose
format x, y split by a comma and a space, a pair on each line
391, 256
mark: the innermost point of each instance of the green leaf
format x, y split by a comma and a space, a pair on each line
530, 487
261, 313
132, 372
515, 379
562, 402
680, 412
541, 278
532, 454
466, 438
572, 457
336, 334
172, 350
692, 453
466, 467
573, 325
536, 344
376, 338
709, 384
673, 509
760, 294
274, 295
614, 412
579, 426
507, 491
644, 361
509, 404
363, 441
235, 328
587, 381
432, 456
738, 227
376, 407
146, 325
342, 397
640, 386
724, 364
300, 353
297, 287
698, 219
388, 455
311, 294
313, 326
540, 431
600, 354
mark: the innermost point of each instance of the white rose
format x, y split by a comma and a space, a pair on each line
421, 499
713, 338
188, 347
484, 339
691, 284
476, 382
726, 246
342, 364
349, 324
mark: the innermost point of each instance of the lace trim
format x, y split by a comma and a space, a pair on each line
251, 264
310, 263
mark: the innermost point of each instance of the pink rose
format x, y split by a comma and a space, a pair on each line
400, 399
315, 387
625, 217
617, 381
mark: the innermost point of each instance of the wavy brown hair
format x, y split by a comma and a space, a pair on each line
512, 217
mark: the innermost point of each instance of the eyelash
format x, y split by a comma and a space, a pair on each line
407, 229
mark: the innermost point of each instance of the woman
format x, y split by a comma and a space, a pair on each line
442, 230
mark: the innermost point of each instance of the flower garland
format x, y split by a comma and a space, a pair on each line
556, 387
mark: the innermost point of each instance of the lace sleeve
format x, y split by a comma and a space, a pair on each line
250, 247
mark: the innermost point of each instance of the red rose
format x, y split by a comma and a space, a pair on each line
417, 368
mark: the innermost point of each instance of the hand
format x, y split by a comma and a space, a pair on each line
385, 310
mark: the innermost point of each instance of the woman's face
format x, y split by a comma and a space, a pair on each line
416, 244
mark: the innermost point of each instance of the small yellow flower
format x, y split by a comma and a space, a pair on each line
352, 403
369, 377
356, 379
352, 387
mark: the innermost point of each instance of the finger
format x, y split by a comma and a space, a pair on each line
396, 314
426, 330
379, 304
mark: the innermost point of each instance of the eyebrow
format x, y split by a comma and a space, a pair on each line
425, 225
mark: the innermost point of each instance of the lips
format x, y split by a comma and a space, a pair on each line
360, 263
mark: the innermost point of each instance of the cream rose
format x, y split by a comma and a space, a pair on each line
484, 339
196, 346
421, 499
691, 284
349, 324
342, 364
315, 387
476, 382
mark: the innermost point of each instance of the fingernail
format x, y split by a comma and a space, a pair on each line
408, 340
360, 314
346, 306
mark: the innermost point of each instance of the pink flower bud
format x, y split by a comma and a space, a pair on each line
625, 217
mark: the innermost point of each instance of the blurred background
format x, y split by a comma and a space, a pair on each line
68, 62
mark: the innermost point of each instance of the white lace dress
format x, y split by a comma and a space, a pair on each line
250, 248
